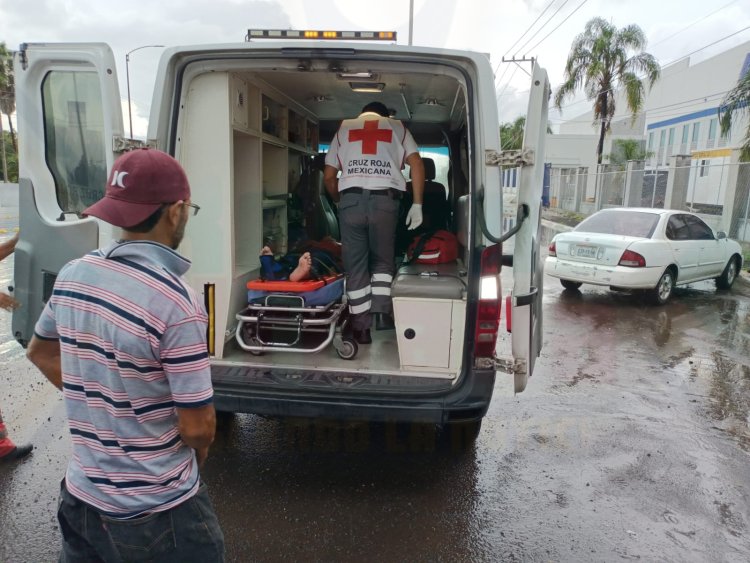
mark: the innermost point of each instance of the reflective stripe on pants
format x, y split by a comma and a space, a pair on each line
368, 236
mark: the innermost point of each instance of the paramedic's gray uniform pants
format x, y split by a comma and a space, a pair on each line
368, 235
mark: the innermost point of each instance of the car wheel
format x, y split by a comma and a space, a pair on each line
663, 290
727, 277
567, 284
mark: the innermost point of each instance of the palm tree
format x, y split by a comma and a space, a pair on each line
624, 150
6, 86
599, 61
511, 134
736, 103
7, 89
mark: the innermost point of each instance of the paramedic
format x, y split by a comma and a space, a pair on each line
370, 152
8, 450
124, 338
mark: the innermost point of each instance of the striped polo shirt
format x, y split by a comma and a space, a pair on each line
133, 348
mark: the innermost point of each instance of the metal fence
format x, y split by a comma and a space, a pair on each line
719, 193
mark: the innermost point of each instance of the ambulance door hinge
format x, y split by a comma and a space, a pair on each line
522, 157
509, 365
122, 144
22, 56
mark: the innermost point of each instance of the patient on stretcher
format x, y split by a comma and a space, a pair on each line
310, 260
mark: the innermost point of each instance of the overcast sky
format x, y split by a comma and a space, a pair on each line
674, 29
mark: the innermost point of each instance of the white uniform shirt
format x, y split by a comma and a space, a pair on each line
370, 152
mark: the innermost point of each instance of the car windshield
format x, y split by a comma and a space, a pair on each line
617, 222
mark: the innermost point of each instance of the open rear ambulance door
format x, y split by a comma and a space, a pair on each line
526, 298
69, 117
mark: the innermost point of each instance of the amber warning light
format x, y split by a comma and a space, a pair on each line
320, 34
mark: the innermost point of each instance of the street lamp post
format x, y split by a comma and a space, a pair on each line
127, 80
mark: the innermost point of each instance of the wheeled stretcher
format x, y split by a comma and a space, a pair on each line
295, 317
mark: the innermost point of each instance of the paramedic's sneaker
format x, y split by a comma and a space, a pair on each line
383, 321
360, 336
363, 336
18, 452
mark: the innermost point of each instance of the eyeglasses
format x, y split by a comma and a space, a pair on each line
195, 207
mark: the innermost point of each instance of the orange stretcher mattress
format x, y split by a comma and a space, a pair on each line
285, 286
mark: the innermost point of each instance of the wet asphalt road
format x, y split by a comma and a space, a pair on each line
631, 442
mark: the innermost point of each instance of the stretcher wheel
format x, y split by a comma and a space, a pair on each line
347, 349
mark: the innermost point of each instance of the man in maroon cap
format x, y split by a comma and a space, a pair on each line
124, 338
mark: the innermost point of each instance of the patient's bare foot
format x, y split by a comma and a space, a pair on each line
266, 251
302, 271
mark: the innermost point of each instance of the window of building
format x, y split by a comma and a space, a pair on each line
696, 133
724, 138
671, 137
685, 130
712, 132
651, 140
704, 168
662, 138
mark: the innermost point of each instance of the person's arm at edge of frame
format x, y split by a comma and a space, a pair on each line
197, 428
7, 248
45, 354
416, 171
332, 182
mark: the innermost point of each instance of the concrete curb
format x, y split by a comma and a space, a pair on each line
558, 227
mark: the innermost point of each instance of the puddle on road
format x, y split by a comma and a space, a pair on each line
701, 335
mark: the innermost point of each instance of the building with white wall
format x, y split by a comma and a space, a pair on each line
682, 118
679, 118
572, 151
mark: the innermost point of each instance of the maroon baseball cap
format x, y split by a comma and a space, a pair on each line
139, 183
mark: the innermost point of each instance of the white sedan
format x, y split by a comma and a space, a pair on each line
643, 249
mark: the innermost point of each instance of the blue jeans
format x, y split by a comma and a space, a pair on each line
188, 532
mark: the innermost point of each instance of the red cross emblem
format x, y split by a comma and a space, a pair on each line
370, 136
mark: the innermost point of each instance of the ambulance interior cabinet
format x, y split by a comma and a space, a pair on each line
423, 342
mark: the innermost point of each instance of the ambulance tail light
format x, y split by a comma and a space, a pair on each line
488, 311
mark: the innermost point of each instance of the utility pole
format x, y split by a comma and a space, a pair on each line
127, 80
411, 19
524, 59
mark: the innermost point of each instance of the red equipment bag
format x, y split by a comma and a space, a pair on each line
437, 247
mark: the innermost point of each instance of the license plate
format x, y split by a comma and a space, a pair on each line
585, 251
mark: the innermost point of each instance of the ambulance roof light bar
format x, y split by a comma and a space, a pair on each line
320, 34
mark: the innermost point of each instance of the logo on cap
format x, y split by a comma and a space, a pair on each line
118, 178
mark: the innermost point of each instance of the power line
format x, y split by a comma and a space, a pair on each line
695, 22
567, 106
500, 95
671, 62
558, 25
673, 110
529, 29
673, 106
709, 45
541, 28
498, 82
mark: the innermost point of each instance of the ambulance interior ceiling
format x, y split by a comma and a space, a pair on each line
429, 102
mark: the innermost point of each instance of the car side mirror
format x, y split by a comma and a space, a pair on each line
720, 235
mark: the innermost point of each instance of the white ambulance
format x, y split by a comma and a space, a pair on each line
248, 121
